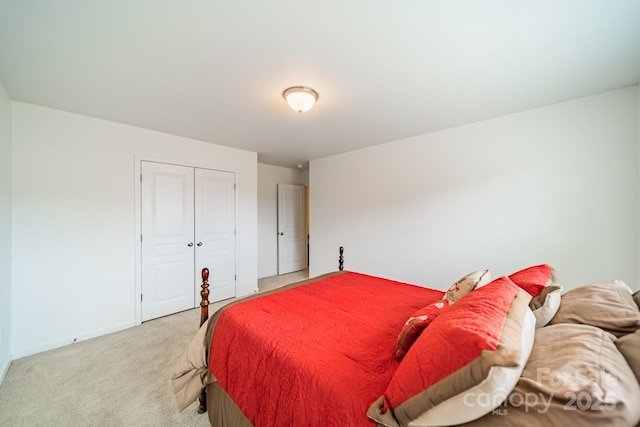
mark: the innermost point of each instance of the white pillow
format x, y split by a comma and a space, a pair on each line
546, 305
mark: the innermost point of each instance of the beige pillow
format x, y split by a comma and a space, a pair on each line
607, 305
575, 376
629, 346
466, 284
636, 298
546, 305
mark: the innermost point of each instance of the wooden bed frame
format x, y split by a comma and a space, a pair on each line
204, 315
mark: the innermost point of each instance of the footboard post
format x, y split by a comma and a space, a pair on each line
204, 315
341, 259
204, 293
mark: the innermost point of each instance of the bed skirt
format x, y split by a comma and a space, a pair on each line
223, 412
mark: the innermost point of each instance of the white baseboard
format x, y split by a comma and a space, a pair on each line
269, 274
4, 369
247, 292
66, 341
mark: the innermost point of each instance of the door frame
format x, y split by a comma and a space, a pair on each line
138, 159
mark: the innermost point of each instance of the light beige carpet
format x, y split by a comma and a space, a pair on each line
120, 379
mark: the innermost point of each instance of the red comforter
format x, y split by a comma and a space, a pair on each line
316, 354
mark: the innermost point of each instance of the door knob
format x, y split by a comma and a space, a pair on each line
199, 243
281, 233
190, 244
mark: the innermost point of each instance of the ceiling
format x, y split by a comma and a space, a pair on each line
385, 70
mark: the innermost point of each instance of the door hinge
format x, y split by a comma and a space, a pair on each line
141, 237
140, 297
234, 185
140, 178
235, 277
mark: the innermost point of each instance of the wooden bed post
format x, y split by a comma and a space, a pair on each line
204, 293
204, 315
341, 259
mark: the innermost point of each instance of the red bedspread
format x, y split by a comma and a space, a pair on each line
317, 354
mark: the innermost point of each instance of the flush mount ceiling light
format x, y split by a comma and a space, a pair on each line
300, 98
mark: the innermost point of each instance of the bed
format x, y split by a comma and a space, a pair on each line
349, 349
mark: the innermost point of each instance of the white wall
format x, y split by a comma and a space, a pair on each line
268, 179
74, 241
5, 232
556, 185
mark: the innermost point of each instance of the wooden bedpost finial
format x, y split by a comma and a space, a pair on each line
204, 293
341, 259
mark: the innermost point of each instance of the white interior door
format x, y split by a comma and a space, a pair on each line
167, 239
291, 228
215, 232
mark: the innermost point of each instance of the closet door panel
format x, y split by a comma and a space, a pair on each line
215, 231
167, 239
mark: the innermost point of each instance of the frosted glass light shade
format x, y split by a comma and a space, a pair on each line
300, 98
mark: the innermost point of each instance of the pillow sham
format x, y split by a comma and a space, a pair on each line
414, 326
546, 305
608, 305
476, 347
629, 346
466, 284
535, 278
575, 376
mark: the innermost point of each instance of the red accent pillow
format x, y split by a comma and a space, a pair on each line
476, 347
535, 278
459, 337
416, 324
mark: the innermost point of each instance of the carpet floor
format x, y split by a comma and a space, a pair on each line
120, 379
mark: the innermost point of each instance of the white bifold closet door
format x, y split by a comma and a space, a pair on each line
188, 223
